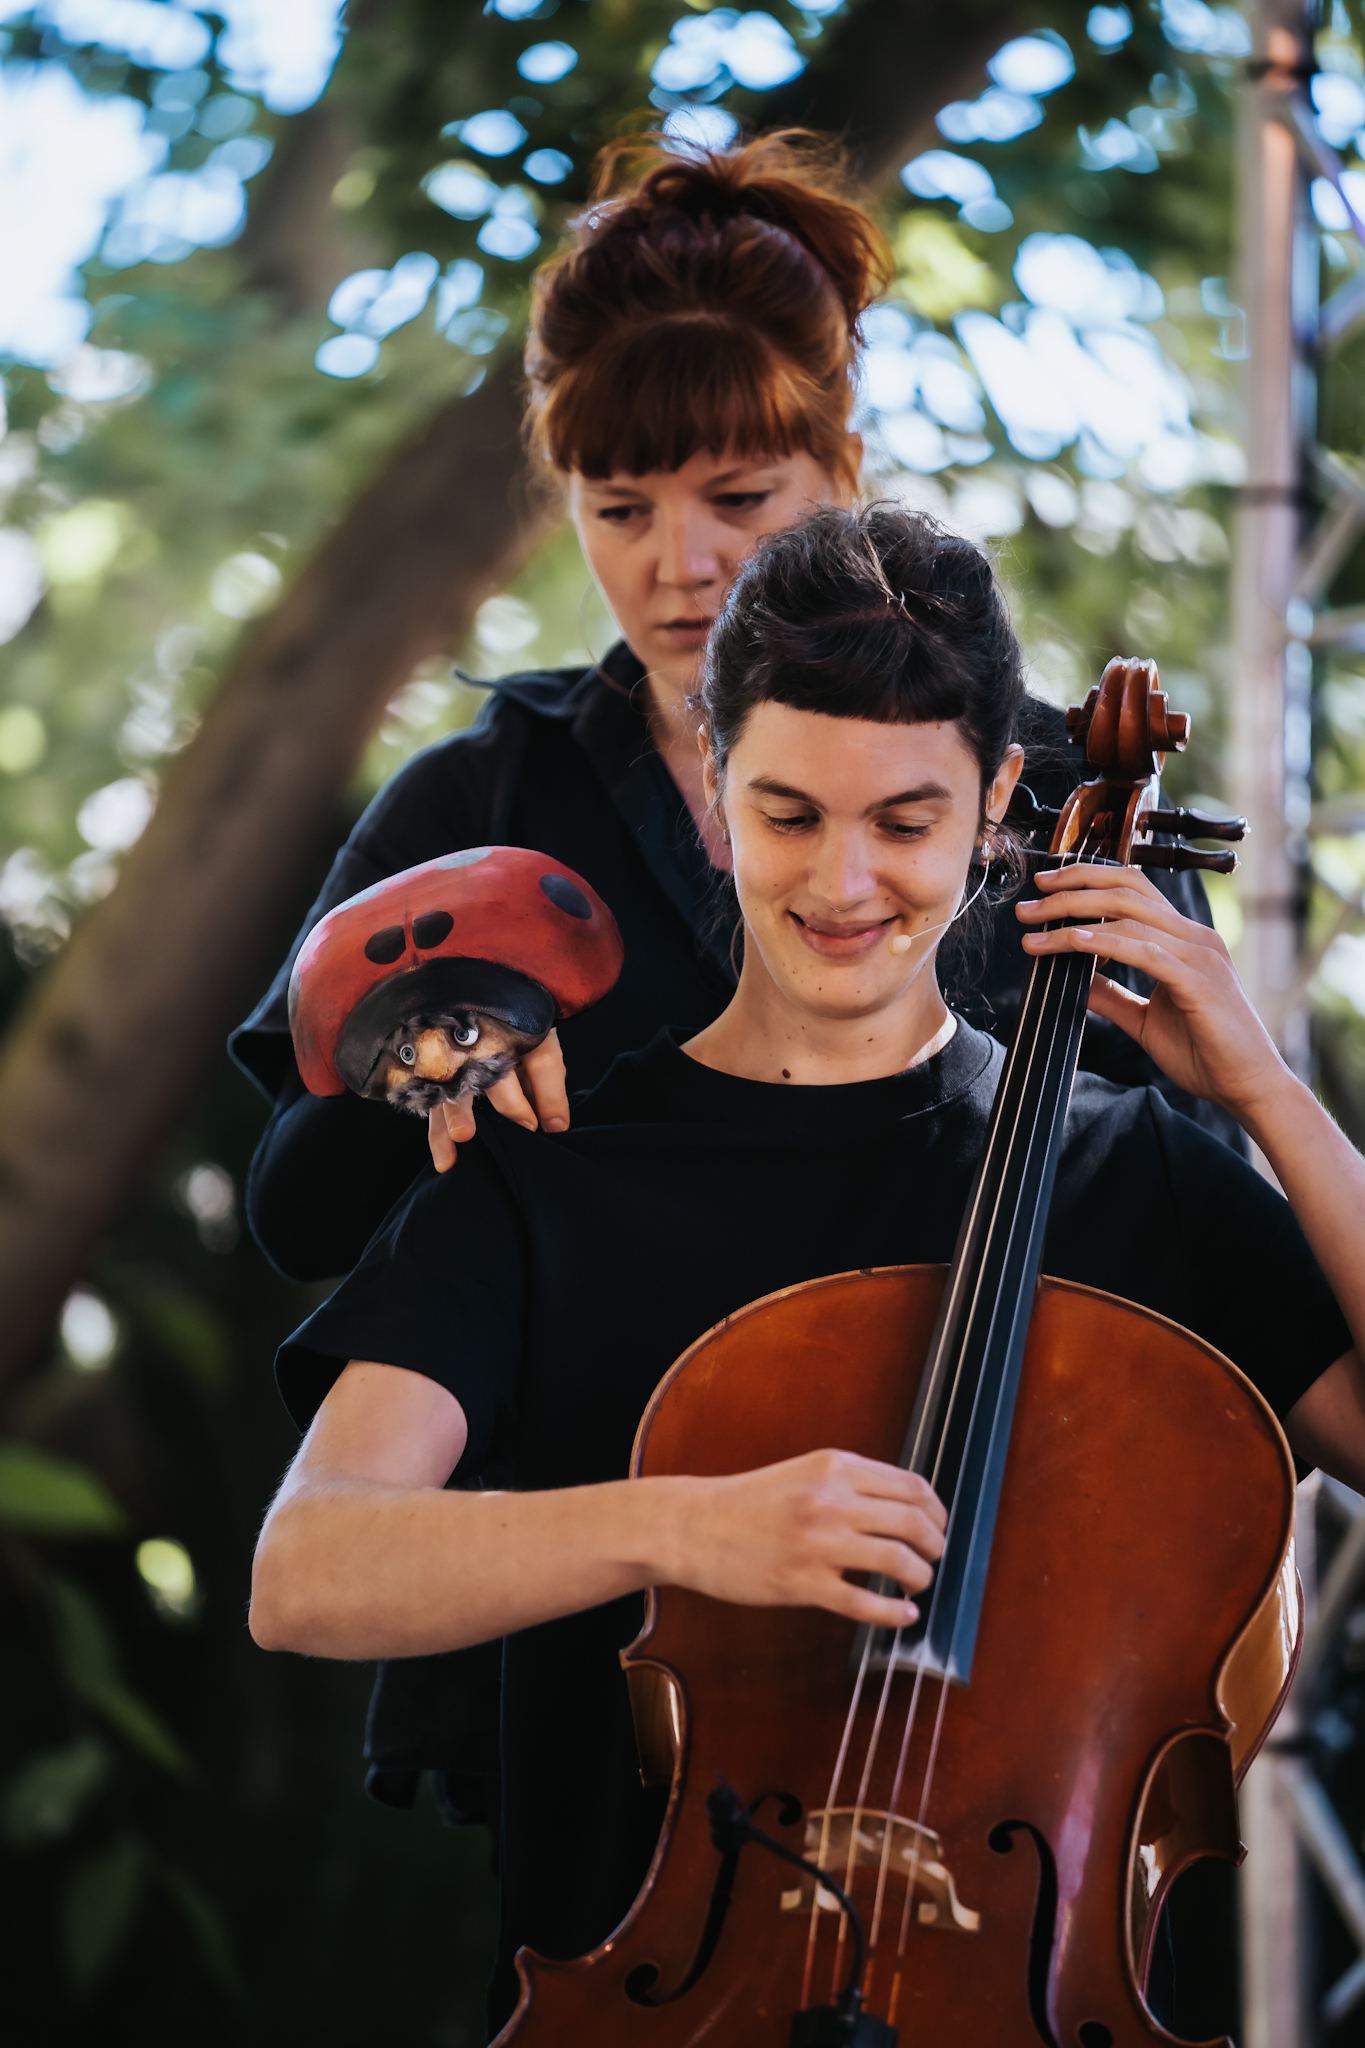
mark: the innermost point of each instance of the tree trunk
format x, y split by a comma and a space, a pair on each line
123, 1024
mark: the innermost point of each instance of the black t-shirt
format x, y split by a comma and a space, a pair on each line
549, 1282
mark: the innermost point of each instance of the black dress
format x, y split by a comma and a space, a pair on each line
562, 762
549, 1282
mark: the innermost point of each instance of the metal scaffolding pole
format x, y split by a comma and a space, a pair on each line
1278, 260
1270, 711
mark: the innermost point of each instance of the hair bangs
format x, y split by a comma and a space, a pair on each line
657, 394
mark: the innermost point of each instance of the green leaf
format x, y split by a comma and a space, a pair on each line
44, 1800
210, 1932
52, 1497
138, 1725
88, 1658
98, 1910
192, 1333
84, 1645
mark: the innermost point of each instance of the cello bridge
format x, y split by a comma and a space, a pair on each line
916, 1858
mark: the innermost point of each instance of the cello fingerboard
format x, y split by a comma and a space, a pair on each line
959, 1433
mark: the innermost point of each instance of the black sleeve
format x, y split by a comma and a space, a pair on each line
440, 1290
1250, 1284
326, 1172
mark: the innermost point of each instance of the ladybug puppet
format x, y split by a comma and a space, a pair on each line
434, 983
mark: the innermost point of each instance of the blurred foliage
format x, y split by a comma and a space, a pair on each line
188, 1851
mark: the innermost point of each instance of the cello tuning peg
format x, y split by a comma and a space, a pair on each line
1025, 810
1182, 858
1194, 825
1078, 716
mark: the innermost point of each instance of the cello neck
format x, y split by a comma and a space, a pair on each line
959, 1433
960, 1430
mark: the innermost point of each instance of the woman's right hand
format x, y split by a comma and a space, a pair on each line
535, 1096
787, 1536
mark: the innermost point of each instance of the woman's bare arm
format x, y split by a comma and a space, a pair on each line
1201, 1029
364, 1552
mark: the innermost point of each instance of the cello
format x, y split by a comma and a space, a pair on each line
964, 1830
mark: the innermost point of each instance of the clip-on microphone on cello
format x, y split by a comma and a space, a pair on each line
843, 2024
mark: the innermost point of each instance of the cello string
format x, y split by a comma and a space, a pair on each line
1028, 1086
1001, 1166
888, 1828
869, 1764
920, 1824
850, 1722
1058, 965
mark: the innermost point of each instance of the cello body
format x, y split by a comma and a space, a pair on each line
1137, 1637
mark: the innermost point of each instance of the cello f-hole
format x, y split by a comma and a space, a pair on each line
1044, 1931
639, 1985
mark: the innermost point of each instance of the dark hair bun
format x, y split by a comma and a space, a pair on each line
880, 614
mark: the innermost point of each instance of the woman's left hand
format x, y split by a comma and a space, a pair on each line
1198, 1024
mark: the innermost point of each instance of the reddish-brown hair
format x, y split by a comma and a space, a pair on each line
711, 300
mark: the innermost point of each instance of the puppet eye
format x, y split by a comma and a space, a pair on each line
466, 1035
408, 1055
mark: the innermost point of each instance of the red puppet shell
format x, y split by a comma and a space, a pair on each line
497, 928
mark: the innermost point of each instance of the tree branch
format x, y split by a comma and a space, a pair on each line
882, 72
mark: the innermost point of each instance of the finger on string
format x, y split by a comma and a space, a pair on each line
1161, 961
1112, 903
508, 1098
874, 1480
901, 1521
1135, 946
891, 1560
858, 1603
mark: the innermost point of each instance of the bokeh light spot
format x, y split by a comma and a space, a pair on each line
23, 739
246, 585
89, 1332
548, 166
167, 1570
1108, 27
460, 190
113, 818
21, 580
495, 132
544, 63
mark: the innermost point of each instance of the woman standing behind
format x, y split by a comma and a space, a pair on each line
691, 366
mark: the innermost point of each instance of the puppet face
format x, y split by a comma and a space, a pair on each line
429, 1059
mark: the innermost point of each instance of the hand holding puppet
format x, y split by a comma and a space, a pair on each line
434, 983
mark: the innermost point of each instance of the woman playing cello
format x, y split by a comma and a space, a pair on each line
858, 720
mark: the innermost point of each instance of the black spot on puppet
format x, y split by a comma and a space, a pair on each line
564, 896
